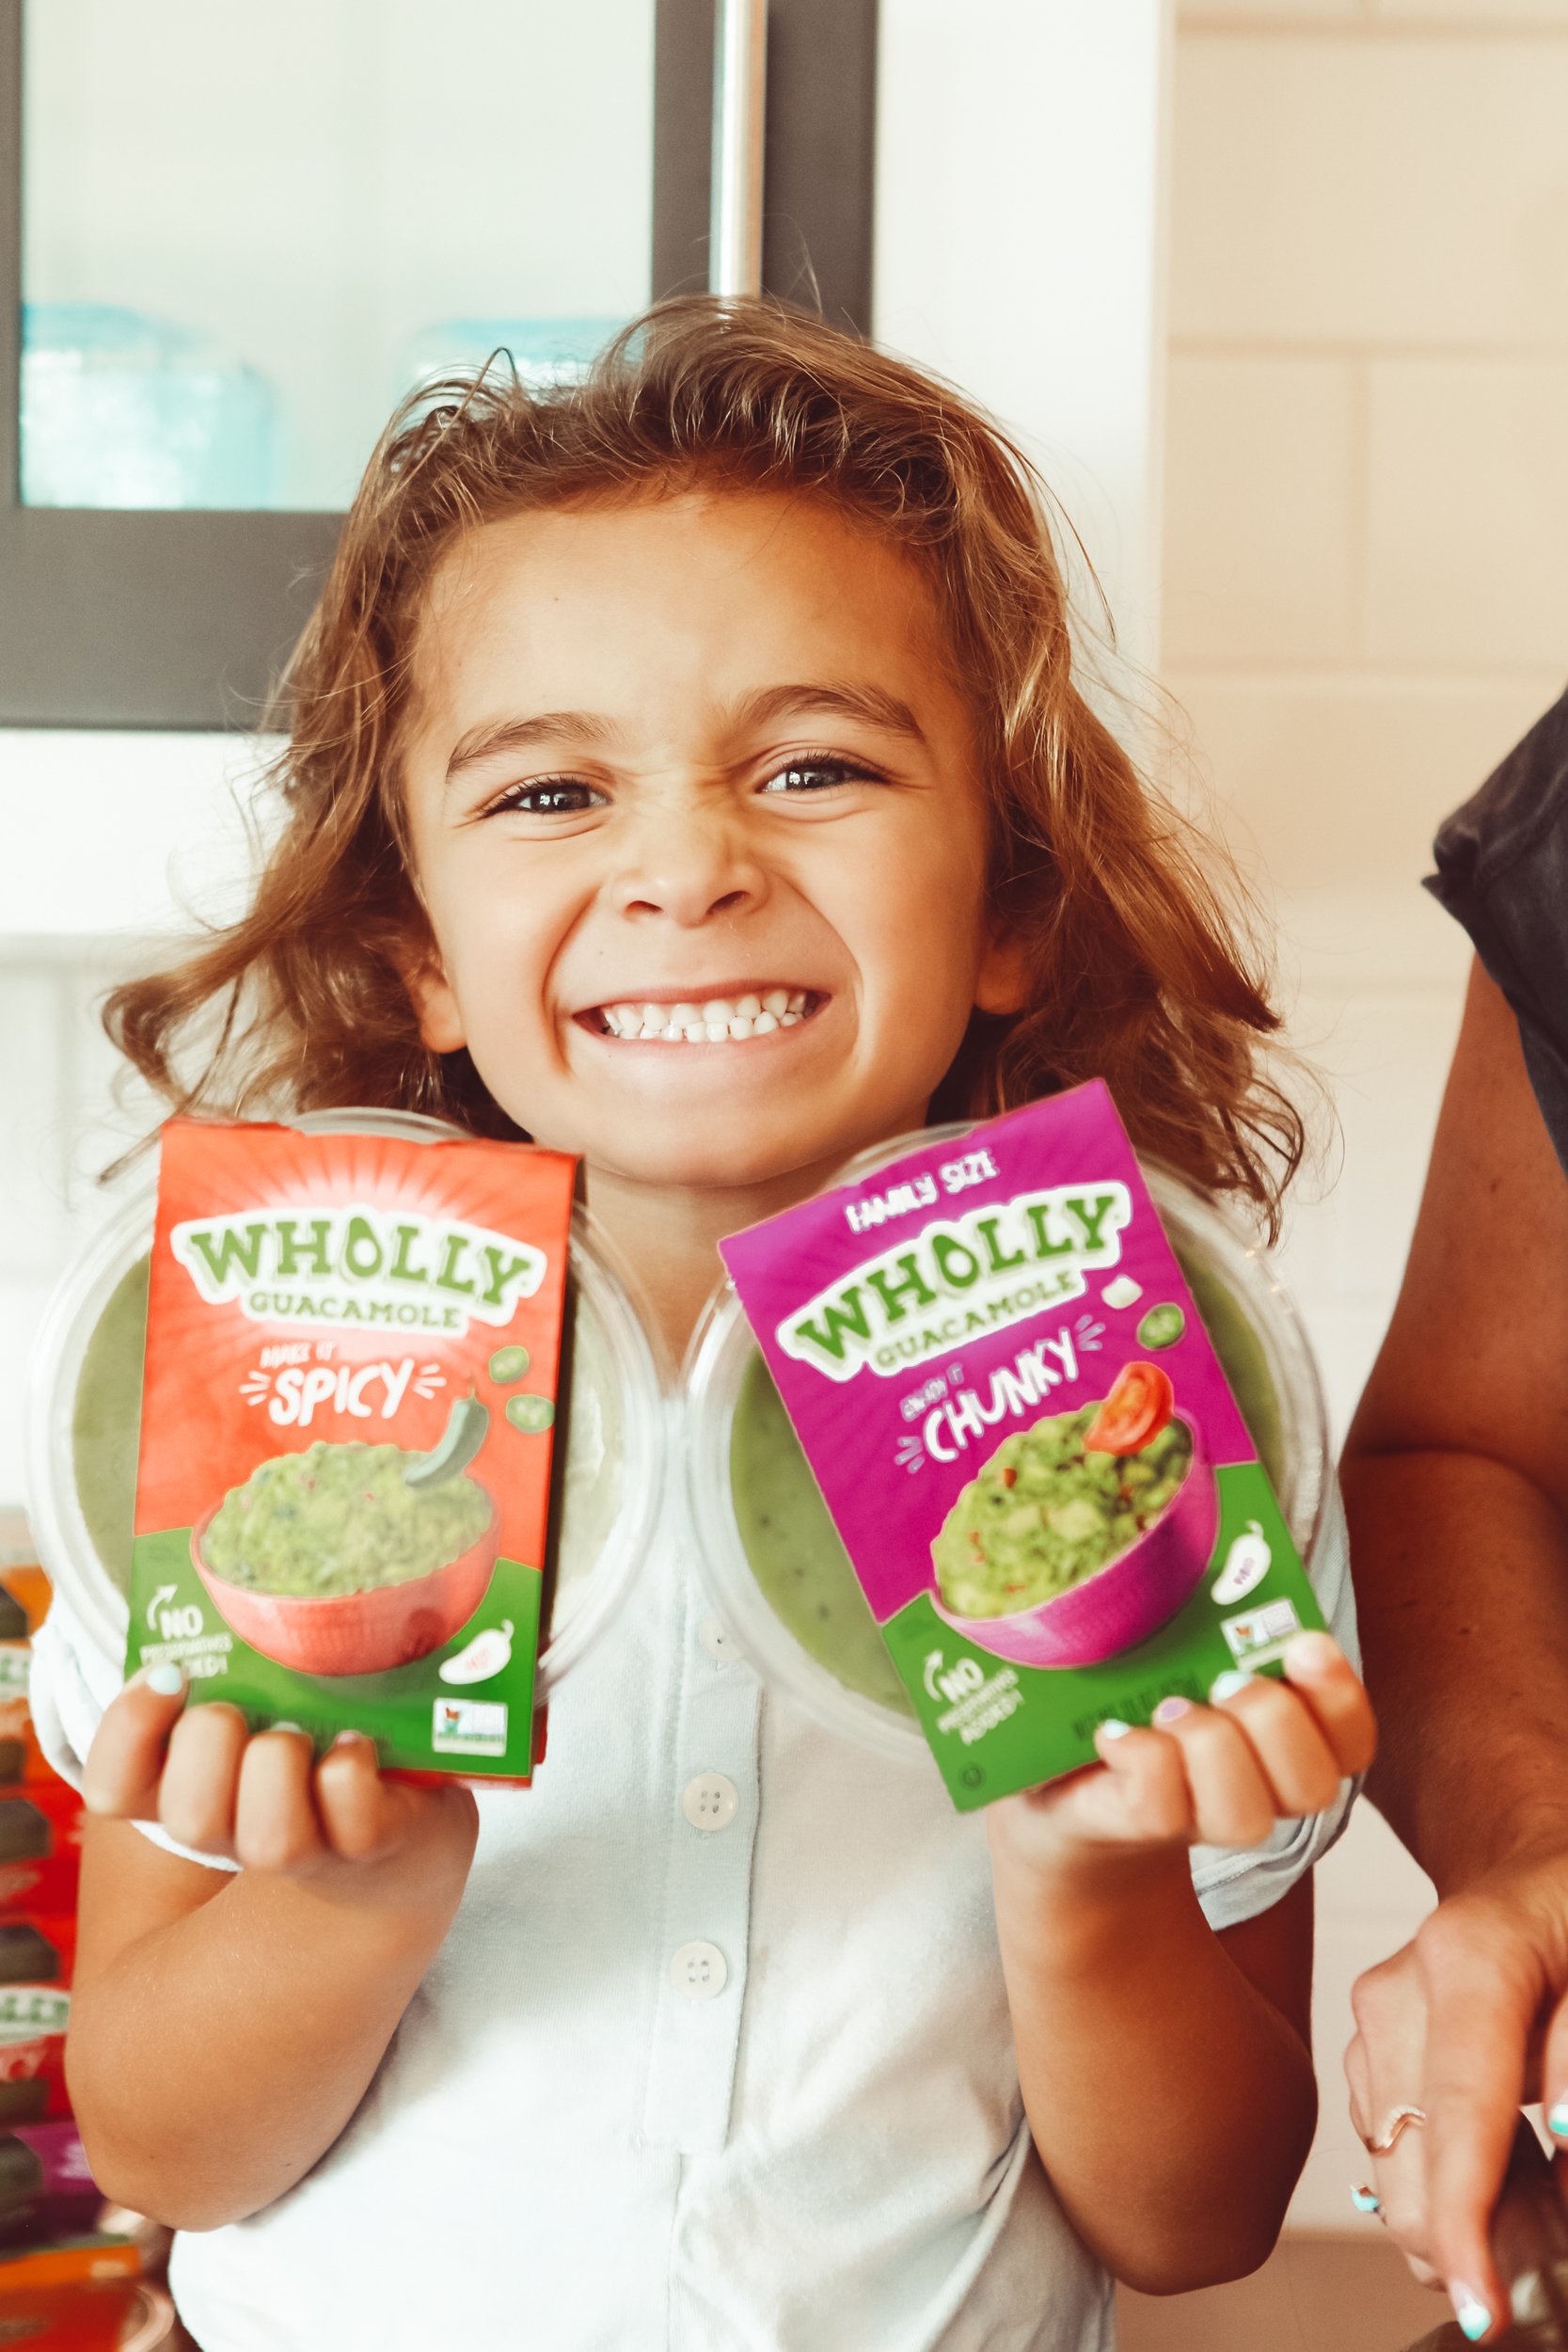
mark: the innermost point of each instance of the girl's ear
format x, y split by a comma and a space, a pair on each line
430, 992
1002, 984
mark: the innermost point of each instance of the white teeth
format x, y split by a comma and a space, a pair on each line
717, 1022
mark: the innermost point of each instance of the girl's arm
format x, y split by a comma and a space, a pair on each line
1166, 2071
225, 2024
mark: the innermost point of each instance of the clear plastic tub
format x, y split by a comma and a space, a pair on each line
85, 1406
770, 1555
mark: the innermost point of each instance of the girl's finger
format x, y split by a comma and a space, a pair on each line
1231, 1802
196, 1797
126, 1758
1317, 1667
275, 1826
1292, 1750
352, 1798
1151, 1783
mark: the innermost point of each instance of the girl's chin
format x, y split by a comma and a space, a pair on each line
792, 1166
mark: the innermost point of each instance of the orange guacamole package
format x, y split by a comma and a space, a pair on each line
354, 1346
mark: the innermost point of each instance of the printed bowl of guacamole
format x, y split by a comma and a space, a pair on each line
1059, 1554
771, 1558
85, 1413
331, 1562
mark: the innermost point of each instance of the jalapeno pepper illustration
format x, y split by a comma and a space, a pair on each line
456, 1447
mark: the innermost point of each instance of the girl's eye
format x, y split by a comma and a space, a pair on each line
813, 774
552, 796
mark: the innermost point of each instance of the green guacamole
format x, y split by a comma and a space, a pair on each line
341, 1518
794, 1547
1042, 1513
106, 1420
802, 1568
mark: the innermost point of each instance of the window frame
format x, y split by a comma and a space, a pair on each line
119, 618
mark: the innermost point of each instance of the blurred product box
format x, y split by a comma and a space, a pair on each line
85, 2298
25, 1589
46, 2190
40, 1848
33, 2021
36, 1950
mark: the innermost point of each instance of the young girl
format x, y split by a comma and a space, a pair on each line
742, 666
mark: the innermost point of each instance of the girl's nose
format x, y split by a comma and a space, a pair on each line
690, 869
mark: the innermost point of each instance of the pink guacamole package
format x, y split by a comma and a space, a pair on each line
1016, 1416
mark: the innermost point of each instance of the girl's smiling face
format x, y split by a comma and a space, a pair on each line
697, 825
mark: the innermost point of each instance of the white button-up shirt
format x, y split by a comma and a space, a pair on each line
715, 2058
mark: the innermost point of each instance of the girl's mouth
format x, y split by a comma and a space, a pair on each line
706, 1021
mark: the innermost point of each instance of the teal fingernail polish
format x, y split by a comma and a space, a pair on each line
168, 1681
282, 1725
1366, 2201
1113, 1728
1471, 2312
1556, 2121
1229, 1684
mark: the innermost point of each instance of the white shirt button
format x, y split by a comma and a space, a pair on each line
700, 1971
710, 1801
718, 1642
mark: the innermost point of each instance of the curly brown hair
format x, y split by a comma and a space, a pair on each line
1139, 970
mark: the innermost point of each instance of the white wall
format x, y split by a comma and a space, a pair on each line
1365, 595
1022, 202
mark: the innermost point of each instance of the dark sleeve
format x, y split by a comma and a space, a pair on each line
1502, 871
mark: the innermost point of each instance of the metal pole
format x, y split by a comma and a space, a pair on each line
739, 83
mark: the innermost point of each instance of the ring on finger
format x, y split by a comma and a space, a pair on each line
1397, 2121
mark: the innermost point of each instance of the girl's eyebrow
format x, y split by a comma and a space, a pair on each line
872, 705
763, 707
516, 734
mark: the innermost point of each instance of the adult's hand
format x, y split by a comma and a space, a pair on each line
1456, 1482
1468, 2023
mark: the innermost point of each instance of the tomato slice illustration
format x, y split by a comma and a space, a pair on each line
1140, 1403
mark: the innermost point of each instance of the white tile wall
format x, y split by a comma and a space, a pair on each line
1262, 471
1367, 508
1370, 188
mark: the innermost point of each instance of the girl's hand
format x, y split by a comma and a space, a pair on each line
263, 1800
1215, 1775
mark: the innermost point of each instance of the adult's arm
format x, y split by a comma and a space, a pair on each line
1456, 1485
